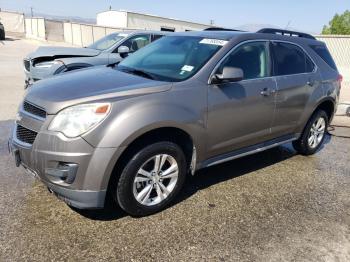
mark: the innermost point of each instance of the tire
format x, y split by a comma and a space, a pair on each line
303, 145
132, 185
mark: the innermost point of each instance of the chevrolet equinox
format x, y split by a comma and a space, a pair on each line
133, 131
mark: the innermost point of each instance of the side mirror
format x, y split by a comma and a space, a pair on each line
123, 51
230, 74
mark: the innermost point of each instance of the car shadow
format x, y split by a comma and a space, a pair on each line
233, 169
208, 177
8, 39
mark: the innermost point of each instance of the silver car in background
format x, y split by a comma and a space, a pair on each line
47, 61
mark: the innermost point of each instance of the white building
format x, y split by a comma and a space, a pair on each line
132, 20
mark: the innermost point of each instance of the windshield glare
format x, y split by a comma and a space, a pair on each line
107, 41
172, 58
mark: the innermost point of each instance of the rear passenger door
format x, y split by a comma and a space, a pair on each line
296, 78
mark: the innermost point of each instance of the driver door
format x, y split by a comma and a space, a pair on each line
240, 113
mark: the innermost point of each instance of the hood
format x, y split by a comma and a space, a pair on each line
61, 52
87, 85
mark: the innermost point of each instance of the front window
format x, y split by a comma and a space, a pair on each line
137, 42
107, 41
172, 58
252, 58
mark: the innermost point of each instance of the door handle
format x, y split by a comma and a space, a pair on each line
310, 83
265, 92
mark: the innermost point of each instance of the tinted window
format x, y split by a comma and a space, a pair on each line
156, 37
289, 59
252, 58
136, 42
323, 52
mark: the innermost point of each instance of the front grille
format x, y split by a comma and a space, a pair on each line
25, 135
26, 64
34, 110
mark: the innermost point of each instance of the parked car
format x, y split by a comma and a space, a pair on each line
47, 61
2, 32
135, 130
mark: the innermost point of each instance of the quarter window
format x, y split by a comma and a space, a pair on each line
289, 59
323, 52
252, 58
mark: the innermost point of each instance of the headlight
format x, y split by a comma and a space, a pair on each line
76, 120
49, 64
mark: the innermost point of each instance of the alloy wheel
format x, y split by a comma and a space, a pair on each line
317, 132
155, 180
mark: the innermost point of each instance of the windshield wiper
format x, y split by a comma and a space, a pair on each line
139, 72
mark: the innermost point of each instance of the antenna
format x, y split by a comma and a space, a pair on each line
288, 24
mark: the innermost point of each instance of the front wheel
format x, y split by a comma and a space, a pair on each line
313, 135
151, 179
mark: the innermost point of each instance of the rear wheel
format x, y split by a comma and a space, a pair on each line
151, 179
313, 135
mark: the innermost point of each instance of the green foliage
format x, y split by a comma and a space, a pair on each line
339, 25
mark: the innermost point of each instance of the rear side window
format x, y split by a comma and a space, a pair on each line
289, 59
323, 52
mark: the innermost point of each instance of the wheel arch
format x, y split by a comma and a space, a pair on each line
328, 105
166, 133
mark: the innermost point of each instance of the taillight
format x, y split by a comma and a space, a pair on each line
340, 80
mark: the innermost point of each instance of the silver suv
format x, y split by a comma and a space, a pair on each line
48, 61
135, 130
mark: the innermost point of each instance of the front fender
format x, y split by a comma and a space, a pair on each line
133, 117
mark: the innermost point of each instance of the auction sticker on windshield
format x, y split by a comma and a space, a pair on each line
208, 41
187, 68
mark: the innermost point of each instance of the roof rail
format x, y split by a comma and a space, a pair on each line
221, 29
285, 32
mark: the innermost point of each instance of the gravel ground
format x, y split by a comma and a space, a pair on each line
273, 206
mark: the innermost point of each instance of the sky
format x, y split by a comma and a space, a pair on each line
305, 15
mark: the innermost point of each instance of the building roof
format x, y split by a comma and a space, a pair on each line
173, 19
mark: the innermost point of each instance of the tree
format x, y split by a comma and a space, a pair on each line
339, 25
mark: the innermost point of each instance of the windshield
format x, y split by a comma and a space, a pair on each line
172, 58
107, 41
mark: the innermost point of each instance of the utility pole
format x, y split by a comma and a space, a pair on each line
31, 11
212, 22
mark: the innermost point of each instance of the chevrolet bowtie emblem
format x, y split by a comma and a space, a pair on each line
18, 117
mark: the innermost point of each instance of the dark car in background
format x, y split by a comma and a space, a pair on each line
2, 32
47, 61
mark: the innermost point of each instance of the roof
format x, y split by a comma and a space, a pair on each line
228, 35
137, 31
224, 35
